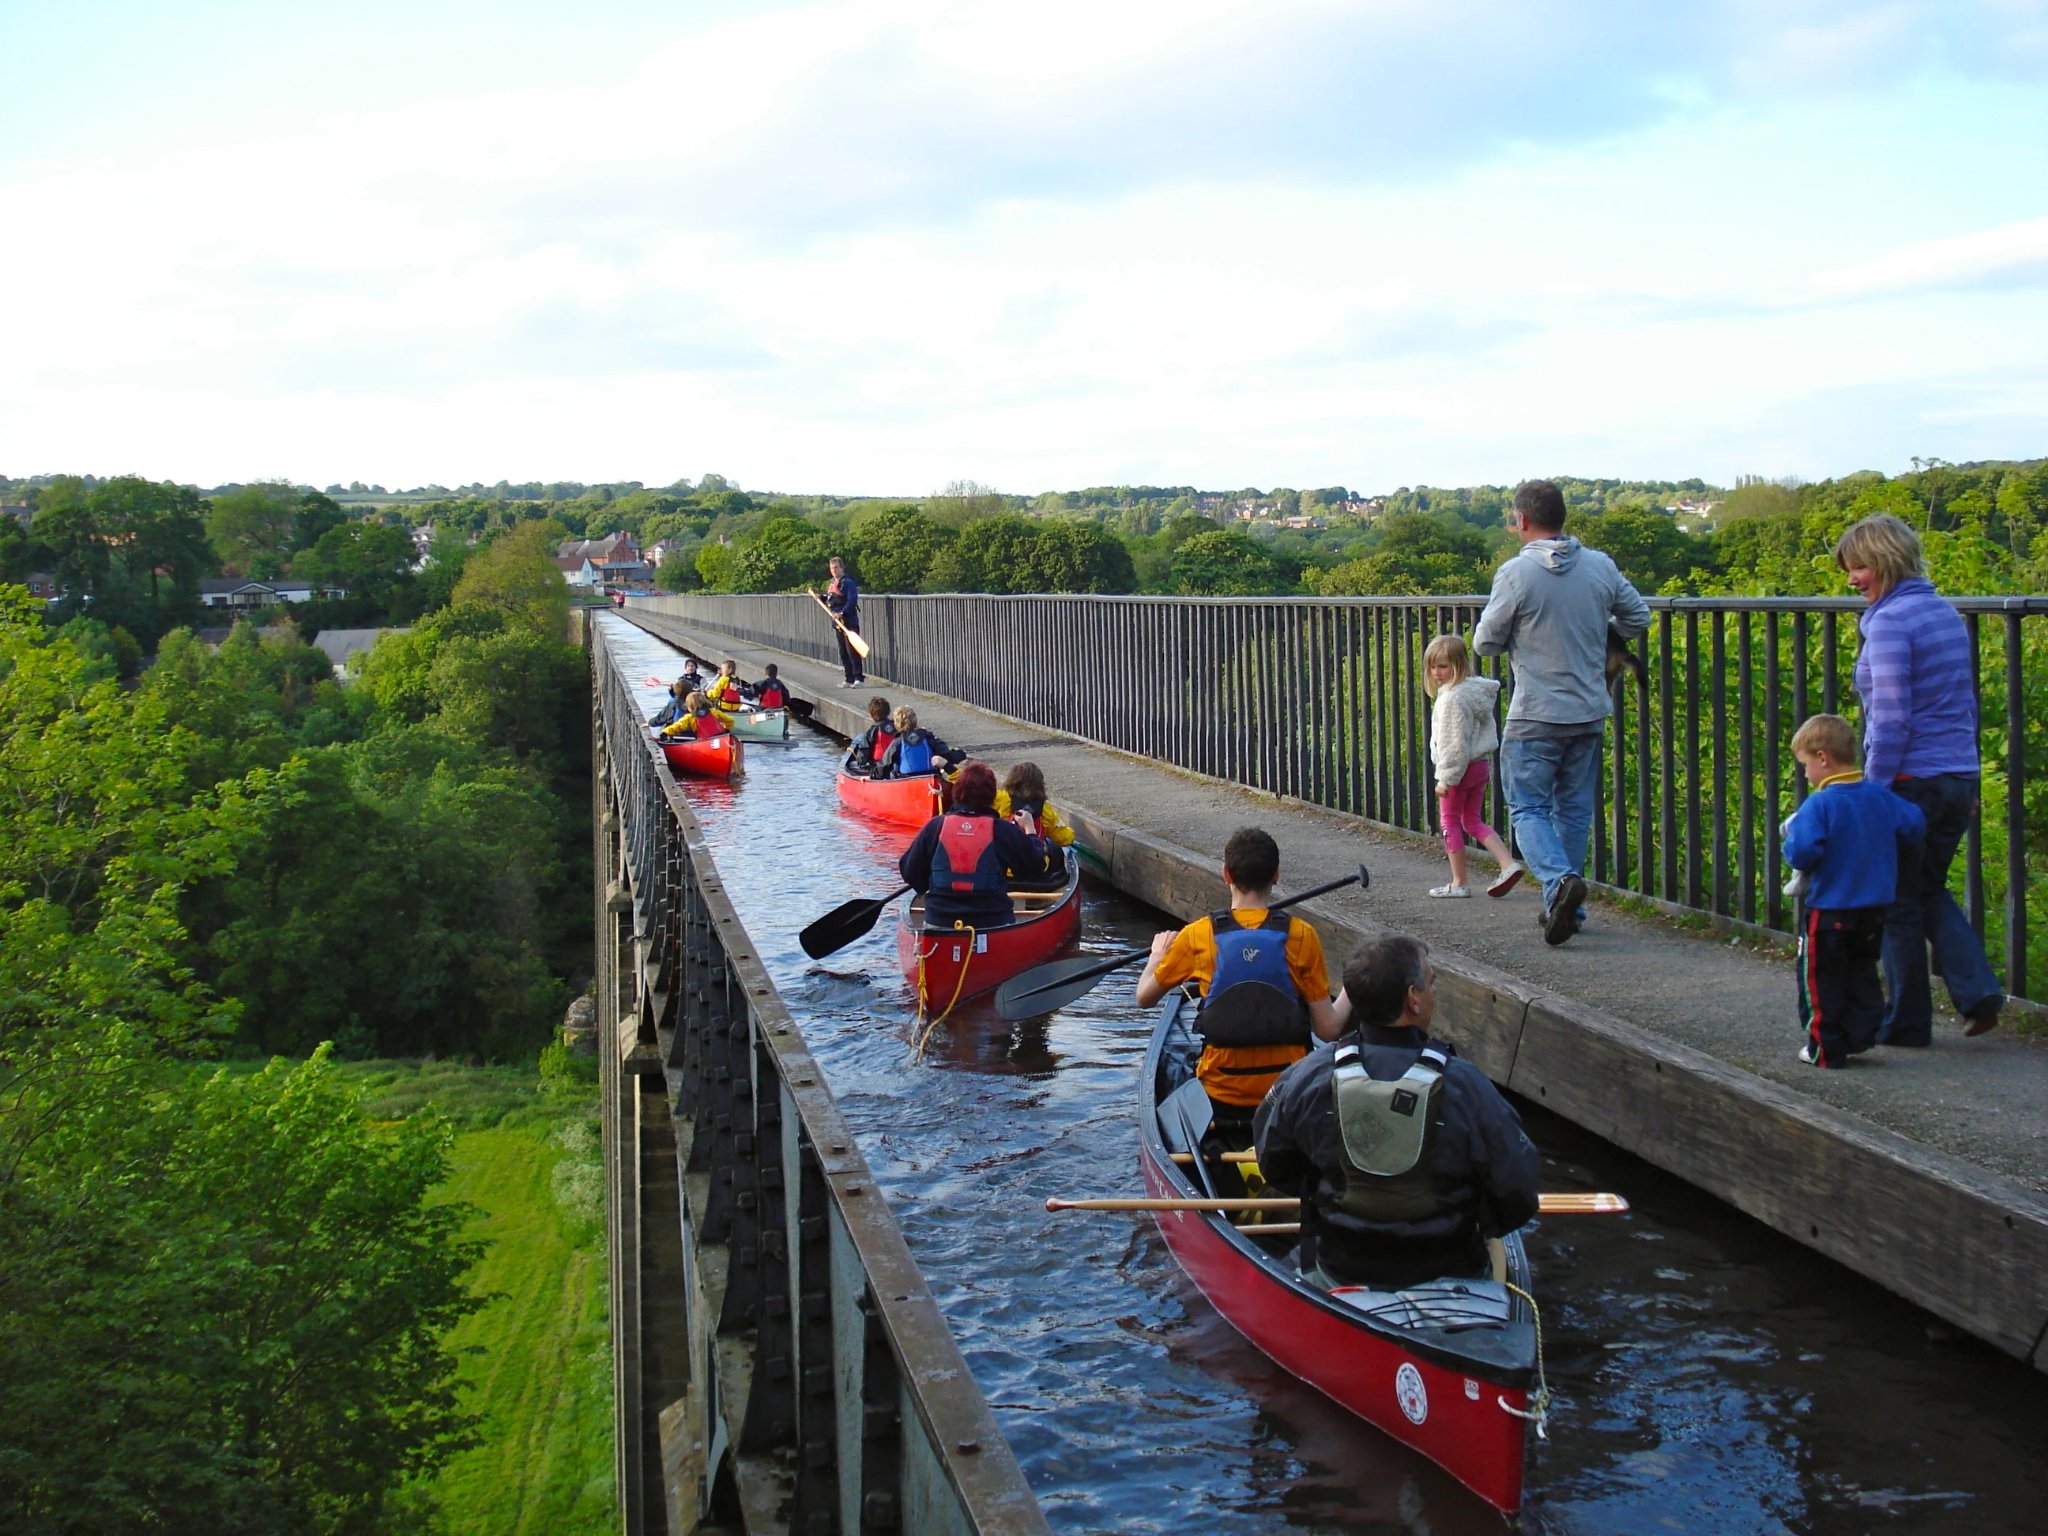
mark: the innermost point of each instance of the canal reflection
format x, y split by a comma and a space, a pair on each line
1709, 1376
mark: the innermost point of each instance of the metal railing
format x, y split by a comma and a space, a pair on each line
1321, 699
781, 1364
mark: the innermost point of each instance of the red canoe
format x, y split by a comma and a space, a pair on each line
907, 802
718, 758
948, 965
1445, 1369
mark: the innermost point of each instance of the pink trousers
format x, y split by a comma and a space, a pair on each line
1460, 807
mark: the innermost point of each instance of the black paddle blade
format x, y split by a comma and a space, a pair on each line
1044, 988
842, 925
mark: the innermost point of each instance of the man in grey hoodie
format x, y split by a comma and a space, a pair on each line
1550, 611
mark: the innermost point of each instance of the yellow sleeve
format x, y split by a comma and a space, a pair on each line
1305, 962
1190, 957
1055, 829
1002, 805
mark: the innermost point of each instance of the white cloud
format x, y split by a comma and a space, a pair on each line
2008, 253
880, 246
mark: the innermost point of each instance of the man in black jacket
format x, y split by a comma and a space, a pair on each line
1406, 1158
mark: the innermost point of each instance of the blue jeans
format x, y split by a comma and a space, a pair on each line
1925, 913
1551, 783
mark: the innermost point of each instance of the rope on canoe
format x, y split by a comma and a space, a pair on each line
1539, 1407
917, 1048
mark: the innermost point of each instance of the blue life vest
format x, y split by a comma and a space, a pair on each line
1252, 998
966, 861
914, 752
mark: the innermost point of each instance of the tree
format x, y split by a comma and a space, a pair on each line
365, 560
1224, 563
65, 525
1649, 547
965, 501
1082, 557
318, 514
246, 1340
253, 527
895, 546
517, 575
18, 551
784, 552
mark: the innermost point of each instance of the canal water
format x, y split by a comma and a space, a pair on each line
1708, 1375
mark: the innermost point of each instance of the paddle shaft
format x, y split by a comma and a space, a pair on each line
852, 635
1118, 962
1564, 1203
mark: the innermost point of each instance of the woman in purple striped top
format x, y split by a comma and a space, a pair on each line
1915, 677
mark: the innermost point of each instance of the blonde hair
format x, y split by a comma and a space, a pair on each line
905, 718
1449, 650
697, 702
1886, 545
1828, 735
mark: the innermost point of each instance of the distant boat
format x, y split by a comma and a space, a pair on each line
907, 802
717, 758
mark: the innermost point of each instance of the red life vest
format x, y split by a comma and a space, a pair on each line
705, 727
881, 746
771, 694
967, 860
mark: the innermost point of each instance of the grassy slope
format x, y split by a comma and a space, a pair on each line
543, 1381
541, 1377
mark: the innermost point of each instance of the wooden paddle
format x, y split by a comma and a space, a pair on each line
1044, 988
843, 924
853, 638
1564, 1203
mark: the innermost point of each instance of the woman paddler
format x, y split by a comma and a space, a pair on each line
965, 861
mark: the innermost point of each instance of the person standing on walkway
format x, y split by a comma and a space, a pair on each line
1919, 738
842, 596
1550, 611
1462, 737
1849, 838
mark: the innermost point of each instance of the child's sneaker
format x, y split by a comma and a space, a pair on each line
1452, 890
1806, 1054
1505, 881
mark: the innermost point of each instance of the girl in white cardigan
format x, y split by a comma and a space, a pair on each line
1462, 737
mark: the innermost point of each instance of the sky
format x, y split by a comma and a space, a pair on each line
877, 246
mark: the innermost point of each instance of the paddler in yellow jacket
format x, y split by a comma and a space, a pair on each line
1022, 800
724, 692
1262, 974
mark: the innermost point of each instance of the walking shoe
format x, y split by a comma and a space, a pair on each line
1561, 917
1506, 880
1452, 890
1806, 1054
1983, 1018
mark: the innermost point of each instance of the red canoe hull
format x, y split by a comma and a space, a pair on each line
900, 802
1452, 1410
718, 758
949, 965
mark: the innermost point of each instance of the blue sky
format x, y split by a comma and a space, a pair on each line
876, 247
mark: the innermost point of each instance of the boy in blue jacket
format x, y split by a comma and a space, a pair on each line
1846, 840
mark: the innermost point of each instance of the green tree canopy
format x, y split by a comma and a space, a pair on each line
1223, 563
254, 528
248, 1339
517, 575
